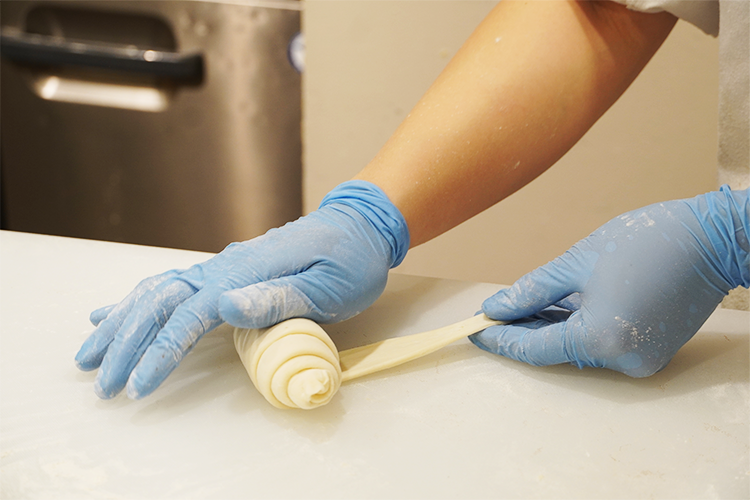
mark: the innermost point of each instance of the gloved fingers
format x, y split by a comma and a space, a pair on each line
267, 303
572, 302
546, 317
125, 305
532, 293
135, 334
109, 319
90, 355
101, 314
538, 343
187, 325
92, 352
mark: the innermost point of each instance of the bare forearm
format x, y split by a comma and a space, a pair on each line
530, 81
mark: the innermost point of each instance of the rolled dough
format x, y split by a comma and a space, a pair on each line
295, 364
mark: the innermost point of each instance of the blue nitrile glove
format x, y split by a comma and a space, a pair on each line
635, 290
327, 266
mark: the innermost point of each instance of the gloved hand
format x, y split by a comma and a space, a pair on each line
327, 266
630, 294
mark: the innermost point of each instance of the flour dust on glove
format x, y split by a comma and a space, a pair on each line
631, 294
327, 266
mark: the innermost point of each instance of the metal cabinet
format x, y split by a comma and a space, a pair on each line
173, 124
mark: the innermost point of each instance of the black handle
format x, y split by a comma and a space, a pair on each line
33, 49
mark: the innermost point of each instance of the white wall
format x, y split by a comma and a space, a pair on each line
369, 61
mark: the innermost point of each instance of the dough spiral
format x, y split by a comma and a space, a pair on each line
294, 364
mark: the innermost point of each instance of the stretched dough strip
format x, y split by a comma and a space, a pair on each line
295, 364
388, 353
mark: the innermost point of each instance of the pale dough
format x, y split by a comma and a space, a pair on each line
295, 364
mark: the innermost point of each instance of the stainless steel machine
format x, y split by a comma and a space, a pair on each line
163, 123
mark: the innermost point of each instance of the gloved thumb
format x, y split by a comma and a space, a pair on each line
543, 287
267, 303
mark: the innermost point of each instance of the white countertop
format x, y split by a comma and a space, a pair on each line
460, 423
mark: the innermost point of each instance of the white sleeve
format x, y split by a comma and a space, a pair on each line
702, 13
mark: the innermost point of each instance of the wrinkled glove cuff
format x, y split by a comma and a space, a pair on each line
374, 205
725, 217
